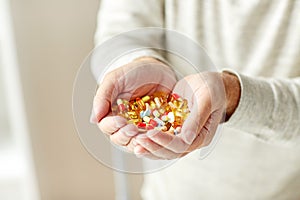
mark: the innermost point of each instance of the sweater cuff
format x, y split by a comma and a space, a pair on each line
255, 105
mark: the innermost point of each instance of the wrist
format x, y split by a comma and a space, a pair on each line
233, 92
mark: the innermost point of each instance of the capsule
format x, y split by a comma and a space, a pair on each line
171, 117
146, 98
141, 125
159, 121
140, 104
157, 102
150, 127
146, 119
121, 107
153, 122
159, 111
175, 96
156, 113
164, 118
168, 125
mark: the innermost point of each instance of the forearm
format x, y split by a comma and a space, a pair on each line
233, 92
268, 109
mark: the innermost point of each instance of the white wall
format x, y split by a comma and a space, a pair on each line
53, 37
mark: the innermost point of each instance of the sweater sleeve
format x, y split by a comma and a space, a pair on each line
269, 109
119, 16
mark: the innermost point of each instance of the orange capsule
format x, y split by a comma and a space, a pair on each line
178, 119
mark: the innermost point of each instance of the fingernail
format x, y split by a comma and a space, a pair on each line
93, 119
189, 137
137, 151
130, 133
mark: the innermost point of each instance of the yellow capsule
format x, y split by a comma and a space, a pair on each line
152, 105
179, 114
172, 105
134, 106
168, 108
140, 103
132, 115
114, 109
185, 104
134, 121
146, 98
178, 110
176, 103
181, 104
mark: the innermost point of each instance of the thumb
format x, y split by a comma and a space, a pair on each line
195, 121
105, 94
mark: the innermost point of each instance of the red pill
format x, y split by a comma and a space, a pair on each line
141, 125
122, 107
150, 127
175, 96
153, 122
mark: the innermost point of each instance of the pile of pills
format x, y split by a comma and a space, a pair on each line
160, 111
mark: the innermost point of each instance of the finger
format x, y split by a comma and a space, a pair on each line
155, 148
197, 143
210, 127
195, 90
193, 124
104, 96
132, 143
123, 135
170, 142
140, 152
111, 124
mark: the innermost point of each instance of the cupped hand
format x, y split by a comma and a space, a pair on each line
207, 101
138, 78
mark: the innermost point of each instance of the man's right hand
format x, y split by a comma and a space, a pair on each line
141, 77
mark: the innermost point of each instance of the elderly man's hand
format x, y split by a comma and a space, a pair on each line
141, 77
209, 94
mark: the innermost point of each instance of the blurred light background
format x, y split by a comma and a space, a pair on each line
42, 44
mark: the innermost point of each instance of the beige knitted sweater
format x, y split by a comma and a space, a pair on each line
258, 155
